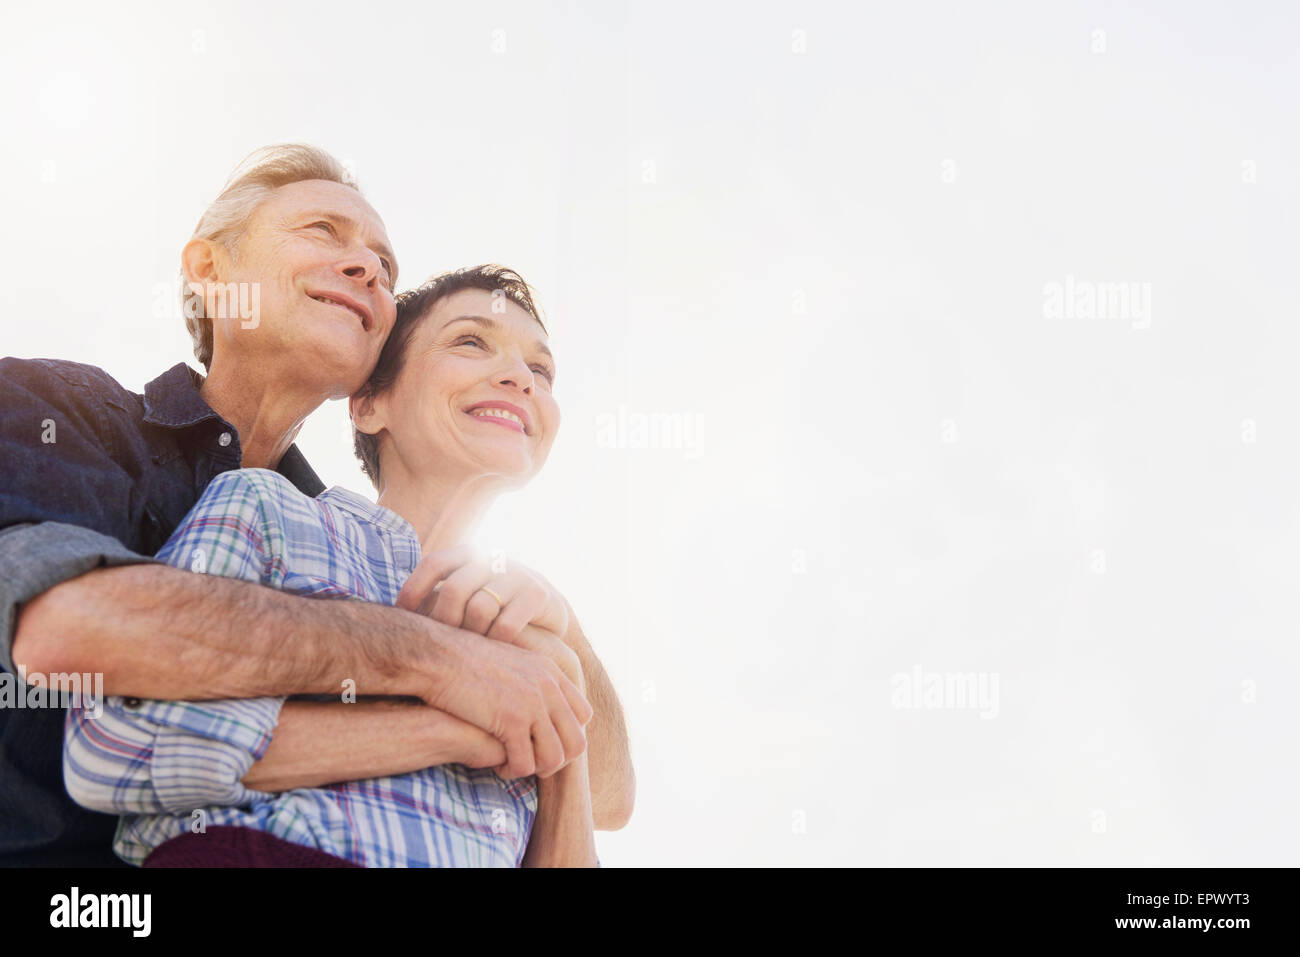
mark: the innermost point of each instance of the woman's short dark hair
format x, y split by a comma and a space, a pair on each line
412, 306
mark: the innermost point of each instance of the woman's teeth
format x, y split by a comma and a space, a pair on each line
499, 414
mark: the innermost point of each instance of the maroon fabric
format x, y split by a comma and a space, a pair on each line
221, 846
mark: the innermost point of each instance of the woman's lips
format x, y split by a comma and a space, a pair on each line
498, 417
501, 411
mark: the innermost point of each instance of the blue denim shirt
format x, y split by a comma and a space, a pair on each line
91, 475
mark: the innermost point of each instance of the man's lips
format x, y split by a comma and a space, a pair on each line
347, 302
502, 413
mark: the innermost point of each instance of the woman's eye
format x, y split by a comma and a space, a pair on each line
472, 340
545, 373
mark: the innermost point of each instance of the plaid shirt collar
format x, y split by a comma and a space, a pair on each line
372, 512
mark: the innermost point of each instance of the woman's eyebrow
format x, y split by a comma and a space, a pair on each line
491, 324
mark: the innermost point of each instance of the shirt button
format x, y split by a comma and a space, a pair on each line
223, 439
131, 702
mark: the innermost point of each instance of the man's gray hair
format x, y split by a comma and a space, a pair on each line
252, 181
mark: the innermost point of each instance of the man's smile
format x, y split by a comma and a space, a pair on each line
361, 311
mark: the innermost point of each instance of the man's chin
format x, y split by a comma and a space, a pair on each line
337, 370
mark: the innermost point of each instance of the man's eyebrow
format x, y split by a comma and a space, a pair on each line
489, 323
344, 220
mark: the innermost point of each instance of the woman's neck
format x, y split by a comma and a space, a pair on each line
443, 510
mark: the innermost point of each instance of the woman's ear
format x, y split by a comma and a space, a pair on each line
361, 406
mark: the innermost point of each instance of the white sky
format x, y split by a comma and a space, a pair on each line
830, 266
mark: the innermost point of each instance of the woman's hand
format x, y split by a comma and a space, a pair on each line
458, 587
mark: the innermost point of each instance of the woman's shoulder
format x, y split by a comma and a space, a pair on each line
264, 489
359, 508
265, 480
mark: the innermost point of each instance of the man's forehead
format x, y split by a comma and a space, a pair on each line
322, 196
295, 203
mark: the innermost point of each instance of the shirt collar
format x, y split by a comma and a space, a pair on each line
172, 401
362, 507
293, 466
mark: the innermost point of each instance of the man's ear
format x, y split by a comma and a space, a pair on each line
361, 406
202, 261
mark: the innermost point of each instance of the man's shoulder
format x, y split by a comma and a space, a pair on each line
59, 374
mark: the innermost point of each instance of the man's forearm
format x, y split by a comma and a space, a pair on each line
155, 631
613, 782
316, 744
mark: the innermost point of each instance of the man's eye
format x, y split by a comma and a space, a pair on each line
329, 228
545, 372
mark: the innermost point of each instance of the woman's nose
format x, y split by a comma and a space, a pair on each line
517, 374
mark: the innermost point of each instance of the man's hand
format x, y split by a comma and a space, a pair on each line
457, 587
543, 642
532, 616
520, 697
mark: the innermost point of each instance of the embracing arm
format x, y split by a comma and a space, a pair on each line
164, 757
564, 831
563, 834
221, 636
317, 744
608, 756
522, 608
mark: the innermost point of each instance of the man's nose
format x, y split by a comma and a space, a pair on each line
363, 266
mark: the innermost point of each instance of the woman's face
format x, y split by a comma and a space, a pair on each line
474, 393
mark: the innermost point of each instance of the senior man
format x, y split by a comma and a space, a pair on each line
97, 477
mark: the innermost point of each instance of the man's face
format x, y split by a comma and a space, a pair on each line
325, 272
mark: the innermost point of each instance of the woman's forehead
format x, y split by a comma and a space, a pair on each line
492, 310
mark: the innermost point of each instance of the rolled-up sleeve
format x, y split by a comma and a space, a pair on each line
36, 557
151, 756
154, 757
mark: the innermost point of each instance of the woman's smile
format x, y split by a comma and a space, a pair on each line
502, 413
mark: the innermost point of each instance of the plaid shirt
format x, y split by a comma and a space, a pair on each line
169, 766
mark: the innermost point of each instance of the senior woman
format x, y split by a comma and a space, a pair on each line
458, 409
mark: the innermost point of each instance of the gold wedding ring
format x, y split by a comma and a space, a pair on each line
500, 603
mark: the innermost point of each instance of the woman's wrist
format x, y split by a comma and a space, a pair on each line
563, 832
449, 740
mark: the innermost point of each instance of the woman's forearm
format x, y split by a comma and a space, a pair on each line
317, 744
562, 833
